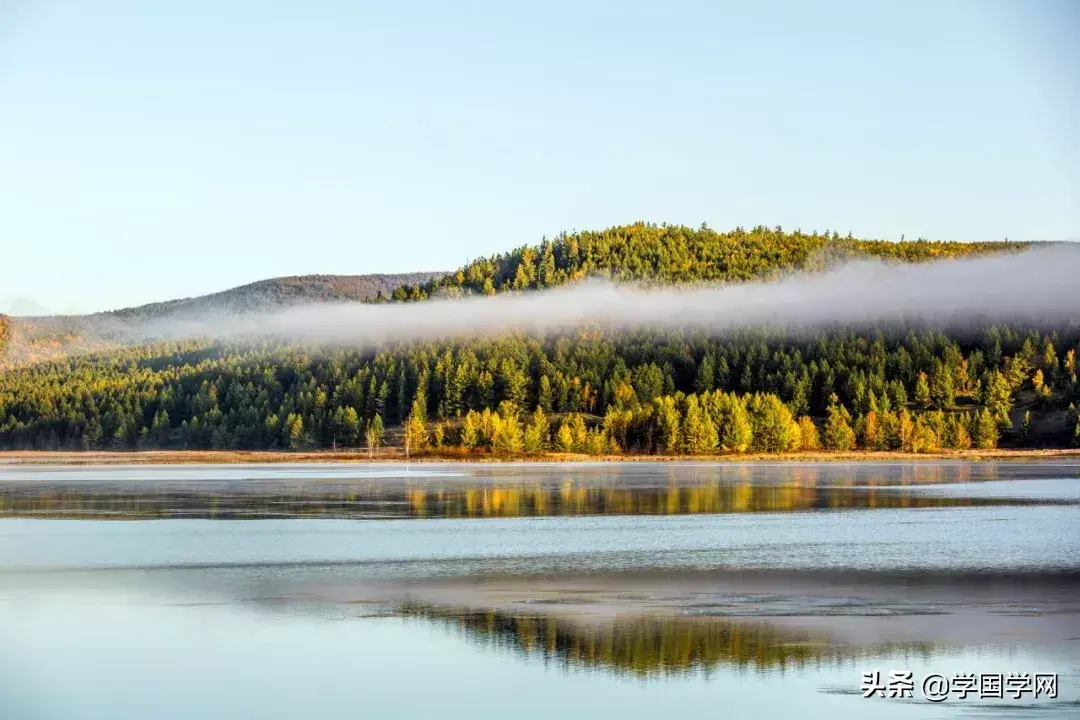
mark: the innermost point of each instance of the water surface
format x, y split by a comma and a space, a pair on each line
637, 589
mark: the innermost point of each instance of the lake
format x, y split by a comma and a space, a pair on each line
532, 590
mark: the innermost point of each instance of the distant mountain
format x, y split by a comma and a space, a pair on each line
30, 338
277, 293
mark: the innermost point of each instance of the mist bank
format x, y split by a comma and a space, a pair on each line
1039, 285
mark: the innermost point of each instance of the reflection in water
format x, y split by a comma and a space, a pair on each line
461, 500
647, 646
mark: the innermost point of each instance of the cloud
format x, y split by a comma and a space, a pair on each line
1038, 285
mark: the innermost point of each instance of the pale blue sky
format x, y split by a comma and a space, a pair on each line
151, 150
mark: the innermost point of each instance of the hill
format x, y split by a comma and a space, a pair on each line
675, 391
30, 339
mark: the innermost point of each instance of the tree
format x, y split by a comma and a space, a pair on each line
997, 397
942, 386
545, 394
733, 423
507, 437
294, 432
470, 430
438, 435
578, 432
596, 442
838, 435
923, 439
808, 435
922, 392
956, 434
373, 434
1042, 391
415, 437
870, 432
536, 432
564, 437
1076, 434
774, 429
705, 380
698, 431
1025, 426
986, 430
667, 420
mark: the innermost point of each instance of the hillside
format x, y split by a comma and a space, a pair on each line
674, 254
37, 338
596, 391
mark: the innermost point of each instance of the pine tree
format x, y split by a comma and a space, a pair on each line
596, 442
536, 433
416, 437
579, 432
808, 435
698, 431
668, 419
923, 438
986, 430
470, 430
705, 379
733, 424
507, 437
564, 437
1025, 426
294, 432
545, 394
838, 435
922, 392
997, 397
1076, 434
942, 386
774, 429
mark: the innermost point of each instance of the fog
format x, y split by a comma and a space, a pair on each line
1039, 285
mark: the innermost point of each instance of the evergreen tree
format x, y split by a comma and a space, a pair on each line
536, 433
564, 437
507, 437
942, 388
294, 432
705, 379
733, 421
922, 392
986, 430
808, 435
774, 429
698, 431
838, 434
470, 430
1025, 427
997, 397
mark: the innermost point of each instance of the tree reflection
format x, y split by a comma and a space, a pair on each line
649, 646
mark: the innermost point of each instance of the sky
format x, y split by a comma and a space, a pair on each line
154, 150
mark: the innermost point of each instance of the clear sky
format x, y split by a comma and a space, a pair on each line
151, 150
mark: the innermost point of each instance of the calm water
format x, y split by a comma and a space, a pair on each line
595, 590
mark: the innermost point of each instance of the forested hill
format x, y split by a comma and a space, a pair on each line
594, 390
675, 254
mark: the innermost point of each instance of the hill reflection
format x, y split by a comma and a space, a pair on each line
649, 646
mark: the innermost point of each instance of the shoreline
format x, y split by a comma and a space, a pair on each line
393, 455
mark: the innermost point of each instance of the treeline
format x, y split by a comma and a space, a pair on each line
676, 254
591, 391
